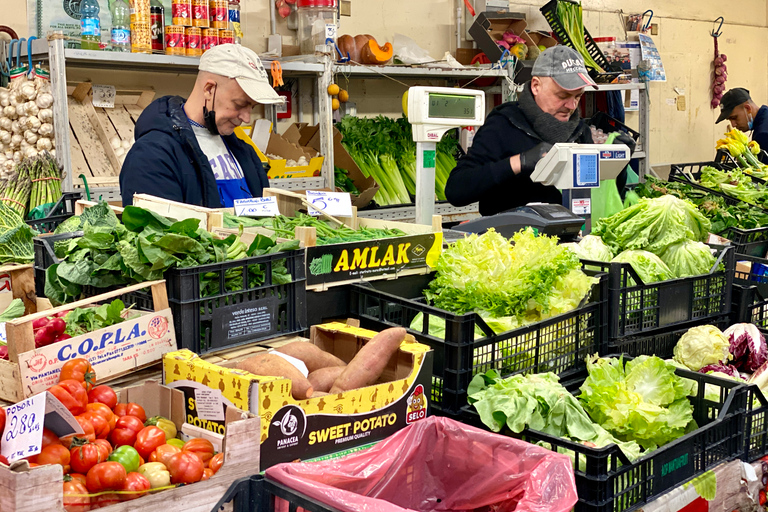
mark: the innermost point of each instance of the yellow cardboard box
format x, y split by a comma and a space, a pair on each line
288, 146
302, 429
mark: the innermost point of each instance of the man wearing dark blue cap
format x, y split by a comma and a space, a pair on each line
516, 135
743, 113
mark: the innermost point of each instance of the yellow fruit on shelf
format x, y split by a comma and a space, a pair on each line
333, 89
343, 96
335, 104
405, 103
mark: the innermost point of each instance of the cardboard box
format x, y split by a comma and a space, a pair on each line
416, 252
40, 489
113, 351
465, 55
288, 146
367, 186
490, 26
301, 429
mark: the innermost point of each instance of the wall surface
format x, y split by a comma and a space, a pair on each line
683, 41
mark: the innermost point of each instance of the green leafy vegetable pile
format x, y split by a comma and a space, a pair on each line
143, 247
735, 183
326, 233
14, 310
15, 237
524, 280
82, 320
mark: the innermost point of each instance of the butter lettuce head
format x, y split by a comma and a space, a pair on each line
591, 247
649, 267
701, 346
653, 225
688, 258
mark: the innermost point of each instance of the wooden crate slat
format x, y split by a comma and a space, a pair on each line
79, 164
89, 140
122, 122
135, 111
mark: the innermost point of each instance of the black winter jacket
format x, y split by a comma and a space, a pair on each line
760, 131
484, 174
167, 161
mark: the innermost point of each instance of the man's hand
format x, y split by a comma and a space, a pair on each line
623, 138
528, 159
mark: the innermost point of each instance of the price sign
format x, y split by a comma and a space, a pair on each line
103, 96
337, 204
23, 433
257, 207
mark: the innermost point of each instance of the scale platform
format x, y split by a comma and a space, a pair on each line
548, 219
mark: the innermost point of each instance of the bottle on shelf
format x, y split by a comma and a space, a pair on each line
234, 20
157, 20
90, 25
121, 32
317, 22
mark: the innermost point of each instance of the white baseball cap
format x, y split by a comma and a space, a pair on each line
242, 64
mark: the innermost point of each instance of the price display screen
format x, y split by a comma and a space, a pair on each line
451, 106
587, 170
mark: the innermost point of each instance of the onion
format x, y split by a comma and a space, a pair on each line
723, 57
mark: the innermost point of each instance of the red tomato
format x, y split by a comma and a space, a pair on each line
54, 454
79, 369
77, 476
216, 462
100, 424
104, 395
72, 394
74, 501
207, 473
148, 439
126, 429
106, 476
89, 434
105, 447
203, 448
105, 500
185, 468
131, 409
135, 482
84, 456
163, 453
49, 438
102, 410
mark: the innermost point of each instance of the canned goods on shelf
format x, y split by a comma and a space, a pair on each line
210, 38
200, 13
181, 12
193, 41
174, 40
226, 36
141, 37
139, 11
219, 13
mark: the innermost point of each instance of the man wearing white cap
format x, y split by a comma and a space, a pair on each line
187, 151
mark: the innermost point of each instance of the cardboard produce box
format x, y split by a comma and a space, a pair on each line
301, 429
288, 145
490, 26
40, 489
113, 351
541, 38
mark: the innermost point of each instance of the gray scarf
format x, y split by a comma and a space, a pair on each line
546, 126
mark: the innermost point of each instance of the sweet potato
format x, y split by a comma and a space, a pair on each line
323, 379
367, 365
276, 366
312, 355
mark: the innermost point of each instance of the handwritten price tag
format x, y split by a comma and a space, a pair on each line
257, 207
23, 433
103, 96
337, 204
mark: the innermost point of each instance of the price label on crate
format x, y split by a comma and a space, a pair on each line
337, 204
257, 207
103, 96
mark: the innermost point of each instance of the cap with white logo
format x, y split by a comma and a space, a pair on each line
565, 66
242, 64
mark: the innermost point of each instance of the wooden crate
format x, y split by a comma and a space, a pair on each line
209, 217
82, 204
92, 128
27, 364
40, 489
18, 282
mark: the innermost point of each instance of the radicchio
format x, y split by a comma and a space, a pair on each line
747, 346
728, 369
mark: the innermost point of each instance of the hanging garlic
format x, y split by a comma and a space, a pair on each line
5, 97
34, 123
5, 137
44, 100
24, 145
45, 115
30, 136
15, 128
30, 152
23, 123
9, 164
31, 108
44, 143
53, 152
21, 110
16, 140
5, 123
45, 130
29, 91
18, 157
10, 112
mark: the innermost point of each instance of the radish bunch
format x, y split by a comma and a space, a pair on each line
50, 330
719, 78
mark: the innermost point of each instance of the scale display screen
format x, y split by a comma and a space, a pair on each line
586, 170
451, 106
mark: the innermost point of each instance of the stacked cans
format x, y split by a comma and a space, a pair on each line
141, 32
198, 25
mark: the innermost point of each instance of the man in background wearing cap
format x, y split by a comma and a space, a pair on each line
497, 169
187, 151
743, 113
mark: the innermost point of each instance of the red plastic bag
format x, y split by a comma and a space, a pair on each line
438, 464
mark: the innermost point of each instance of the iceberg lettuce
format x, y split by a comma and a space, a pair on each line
689, 258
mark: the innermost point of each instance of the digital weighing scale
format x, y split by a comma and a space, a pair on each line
575, 169
433, 111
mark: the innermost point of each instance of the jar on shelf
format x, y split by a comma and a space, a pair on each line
318, 21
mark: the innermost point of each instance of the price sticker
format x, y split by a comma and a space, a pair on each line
103, 96
257, 207
23, 433
209, 404
338, 204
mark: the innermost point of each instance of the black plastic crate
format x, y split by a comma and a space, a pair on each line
691, 174
224, 318
750, 291
635, 308
660, 342
549, 10
556, 344
604, 122
61, 211
258, 493
606, 481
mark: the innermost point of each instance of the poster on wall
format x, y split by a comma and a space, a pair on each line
46, 16
630, 50
650, 53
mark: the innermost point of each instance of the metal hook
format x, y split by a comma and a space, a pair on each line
719, 31
647, 23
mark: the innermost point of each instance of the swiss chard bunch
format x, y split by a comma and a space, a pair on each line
82, 320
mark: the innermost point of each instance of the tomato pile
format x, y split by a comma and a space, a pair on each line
121, 455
